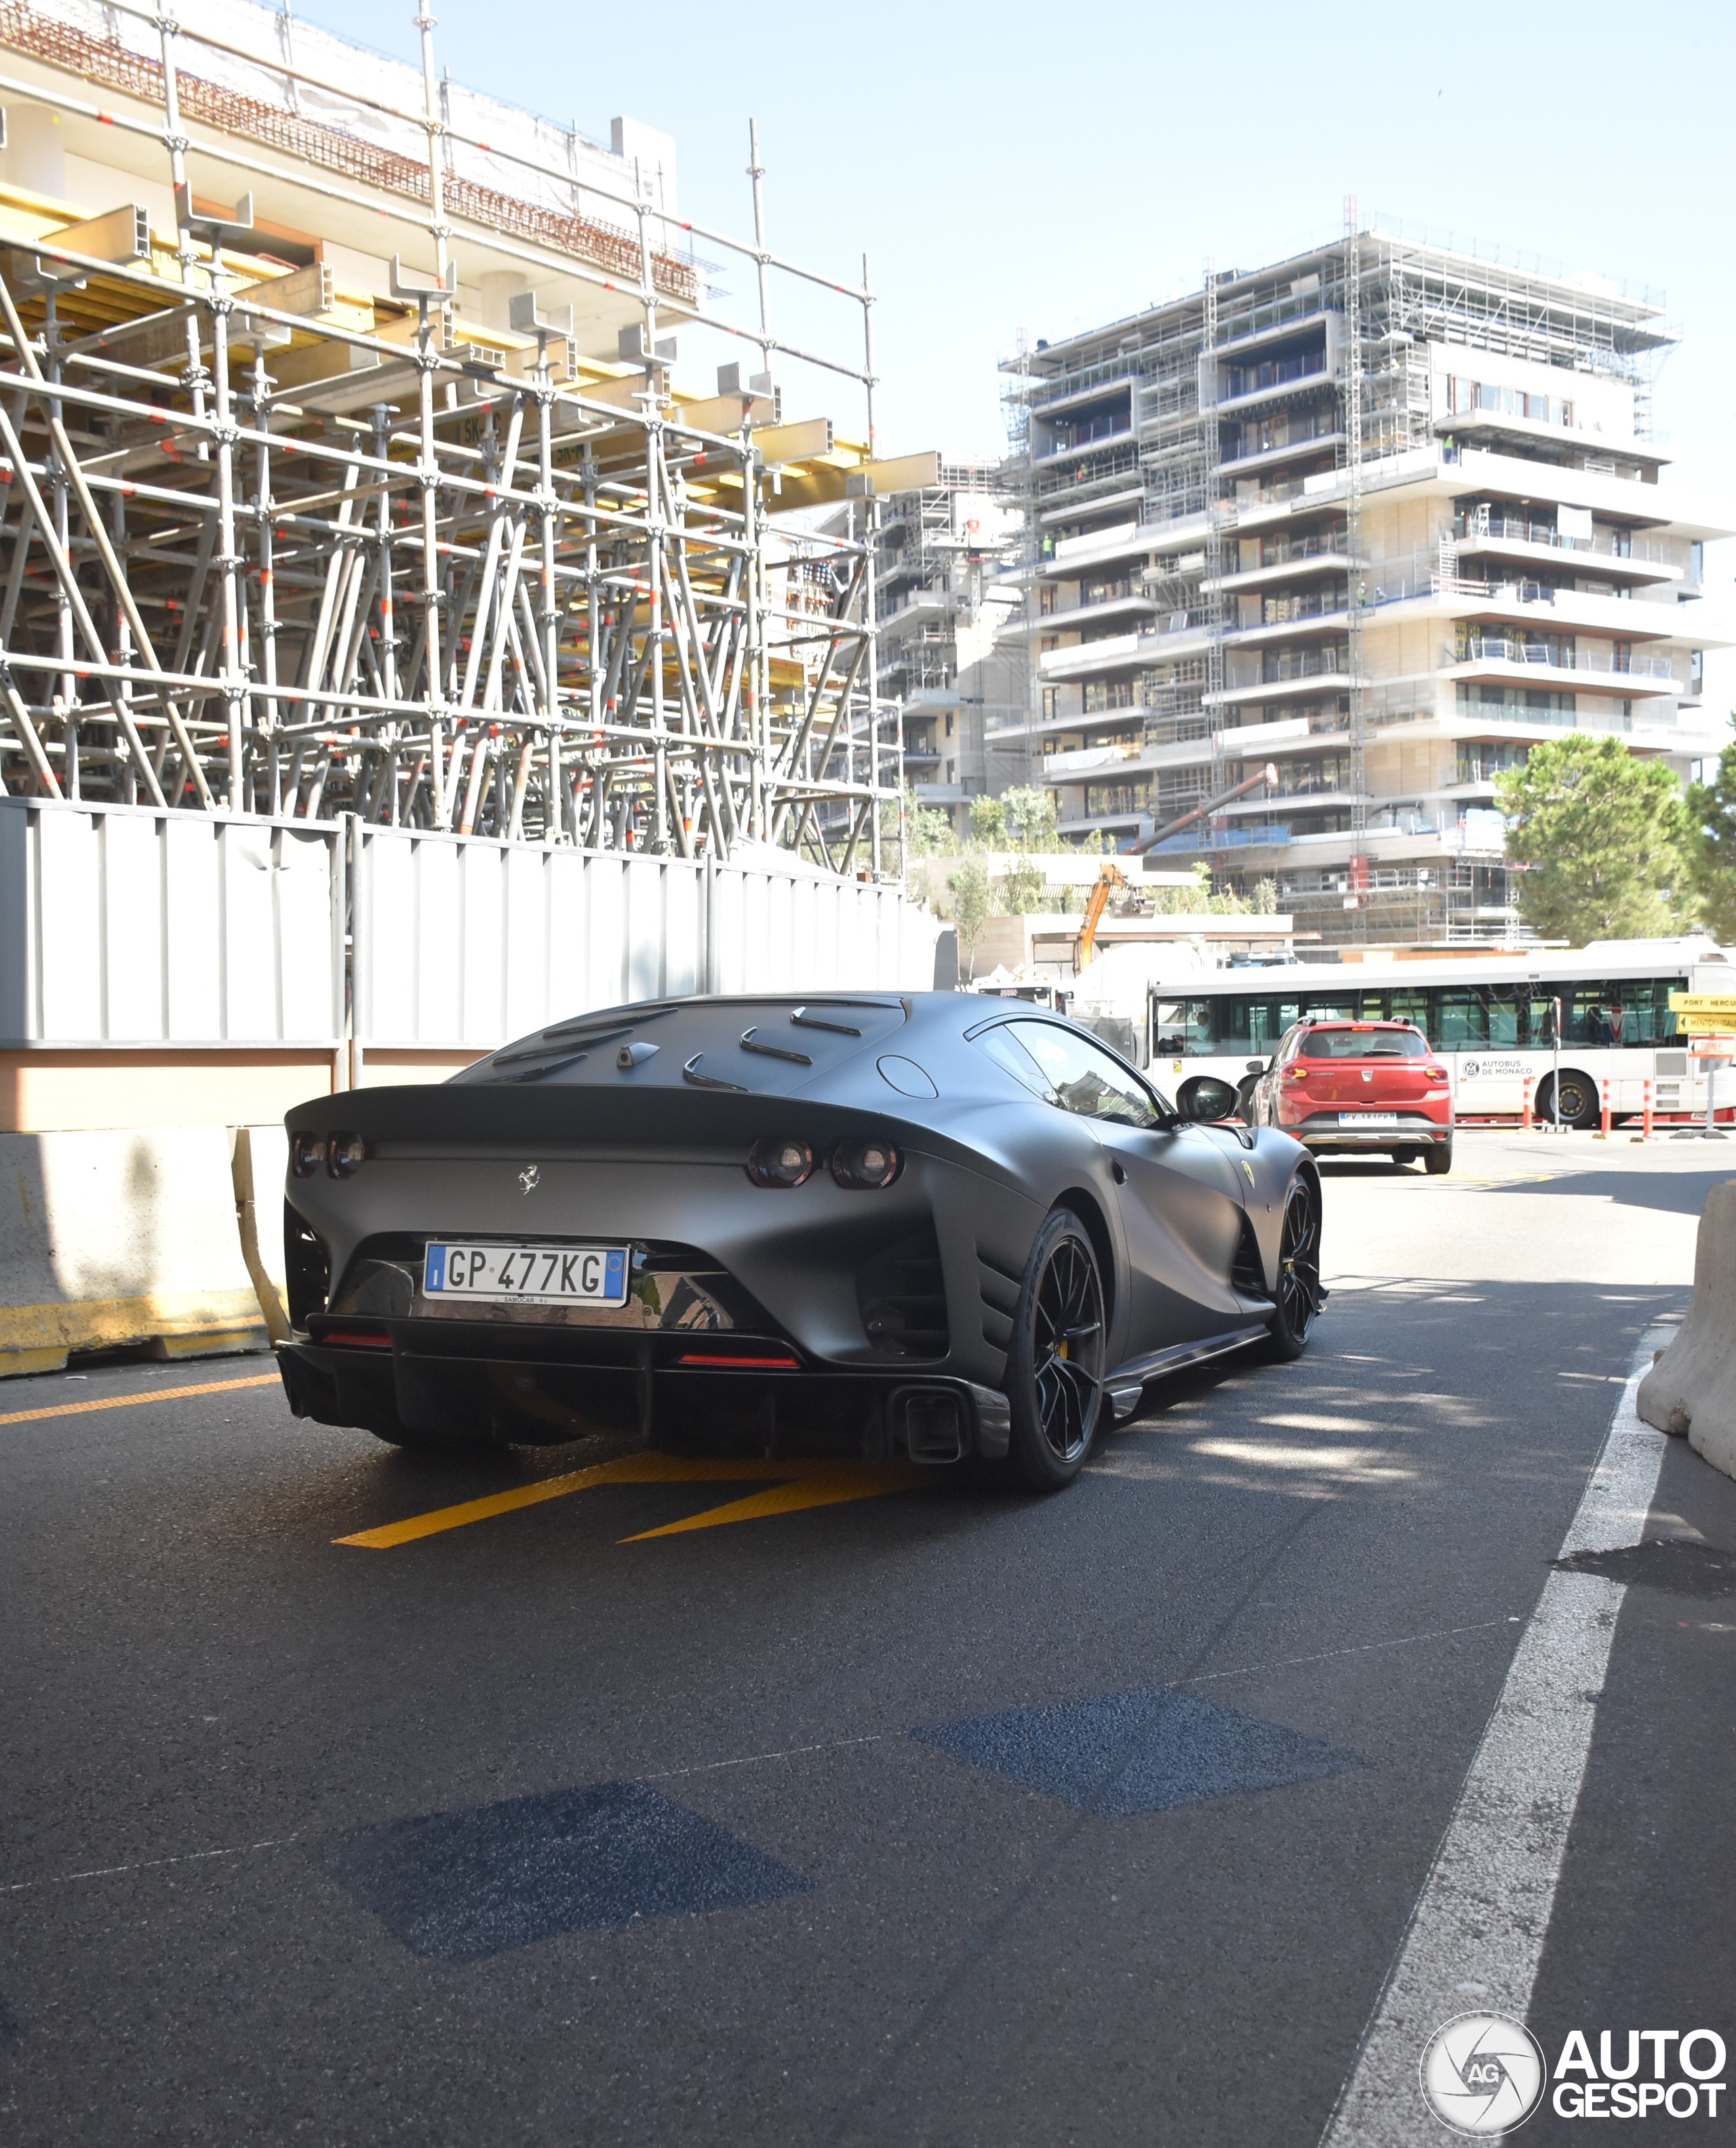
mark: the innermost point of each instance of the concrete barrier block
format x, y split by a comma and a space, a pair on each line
1691, 1388
121, 1238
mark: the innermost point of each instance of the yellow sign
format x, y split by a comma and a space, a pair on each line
1720, 1007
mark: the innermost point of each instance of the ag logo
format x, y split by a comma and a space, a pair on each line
1482, 2074
530, 1178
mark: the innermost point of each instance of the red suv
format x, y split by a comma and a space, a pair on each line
1346, 1086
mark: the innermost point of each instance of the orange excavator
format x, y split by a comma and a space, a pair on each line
1112, 876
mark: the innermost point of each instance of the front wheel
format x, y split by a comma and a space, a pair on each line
1299, 1293
1054, 1363
1581, 1106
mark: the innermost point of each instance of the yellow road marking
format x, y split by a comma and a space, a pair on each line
844, 1481
151, 1395
826, 1481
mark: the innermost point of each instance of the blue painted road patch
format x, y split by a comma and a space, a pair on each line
1137, 1752
461, 1886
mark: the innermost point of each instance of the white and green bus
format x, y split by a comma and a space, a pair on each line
1490, 1016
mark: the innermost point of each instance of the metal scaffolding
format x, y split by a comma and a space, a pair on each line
264, 555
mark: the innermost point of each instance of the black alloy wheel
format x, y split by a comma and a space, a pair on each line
1299, 1294
1055, 1364
1580, 1104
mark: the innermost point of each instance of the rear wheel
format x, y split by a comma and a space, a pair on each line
1054, 1363
1298, 1273
1438, 1161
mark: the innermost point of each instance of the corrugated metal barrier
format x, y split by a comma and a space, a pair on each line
125, 924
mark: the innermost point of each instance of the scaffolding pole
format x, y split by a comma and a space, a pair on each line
416, 581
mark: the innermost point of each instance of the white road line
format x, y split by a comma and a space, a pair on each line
1476, 1934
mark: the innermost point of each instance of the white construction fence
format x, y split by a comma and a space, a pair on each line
170, 982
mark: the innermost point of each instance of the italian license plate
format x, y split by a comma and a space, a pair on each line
526, 1275
1368, 1118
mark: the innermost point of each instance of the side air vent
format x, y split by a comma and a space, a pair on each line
902, 1294
307, 1268
998, 1288
1247, 1272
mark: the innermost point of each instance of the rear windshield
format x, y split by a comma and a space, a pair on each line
1364, 1043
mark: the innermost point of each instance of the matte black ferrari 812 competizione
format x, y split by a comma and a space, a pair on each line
943, 1226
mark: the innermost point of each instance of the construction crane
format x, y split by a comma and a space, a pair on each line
1112, 876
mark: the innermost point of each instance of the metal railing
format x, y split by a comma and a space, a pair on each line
1485, 648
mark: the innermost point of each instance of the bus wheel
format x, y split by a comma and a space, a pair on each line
1580, 1105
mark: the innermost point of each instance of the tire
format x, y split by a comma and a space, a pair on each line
1438, 1161
1581, 1106
1299, 1293
1055, 1362
1406, 1156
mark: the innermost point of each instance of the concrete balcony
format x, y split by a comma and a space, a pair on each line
1286, 451
1297, 689
1121, 652
1495, 425
1302, 566
1099, 444
1135, 605
1528, 543
1511, 661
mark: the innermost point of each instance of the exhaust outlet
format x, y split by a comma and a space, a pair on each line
931, 1423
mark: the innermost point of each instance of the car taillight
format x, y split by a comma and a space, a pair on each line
345, 1155
868, 1164
780, 1162
307, 1153
1299, 1073
1434, 1073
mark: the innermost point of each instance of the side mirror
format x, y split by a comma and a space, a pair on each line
1205, 1100
1256, 1065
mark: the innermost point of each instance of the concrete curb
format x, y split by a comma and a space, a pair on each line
119, 1238
1691, 1389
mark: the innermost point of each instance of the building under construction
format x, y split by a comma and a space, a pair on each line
1382, 516
351, 466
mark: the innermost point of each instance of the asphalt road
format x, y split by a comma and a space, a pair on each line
935, 1816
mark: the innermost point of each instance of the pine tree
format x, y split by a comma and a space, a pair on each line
1601, 840
1712, 811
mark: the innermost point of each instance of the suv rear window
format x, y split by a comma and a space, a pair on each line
1364, 1042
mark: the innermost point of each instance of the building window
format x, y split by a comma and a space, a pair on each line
1108, 693
949, 723
1051, 704
1045, 598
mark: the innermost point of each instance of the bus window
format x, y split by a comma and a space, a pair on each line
1346, 1006
1462, 1015
1637, 1011
1184, 1027
1459, 1017
1249, 1028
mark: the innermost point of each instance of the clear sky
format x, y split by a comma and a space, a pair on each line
1042, 168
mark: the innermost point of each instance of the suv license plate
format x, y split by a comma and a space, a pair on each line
526, 1275
1368, 1118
